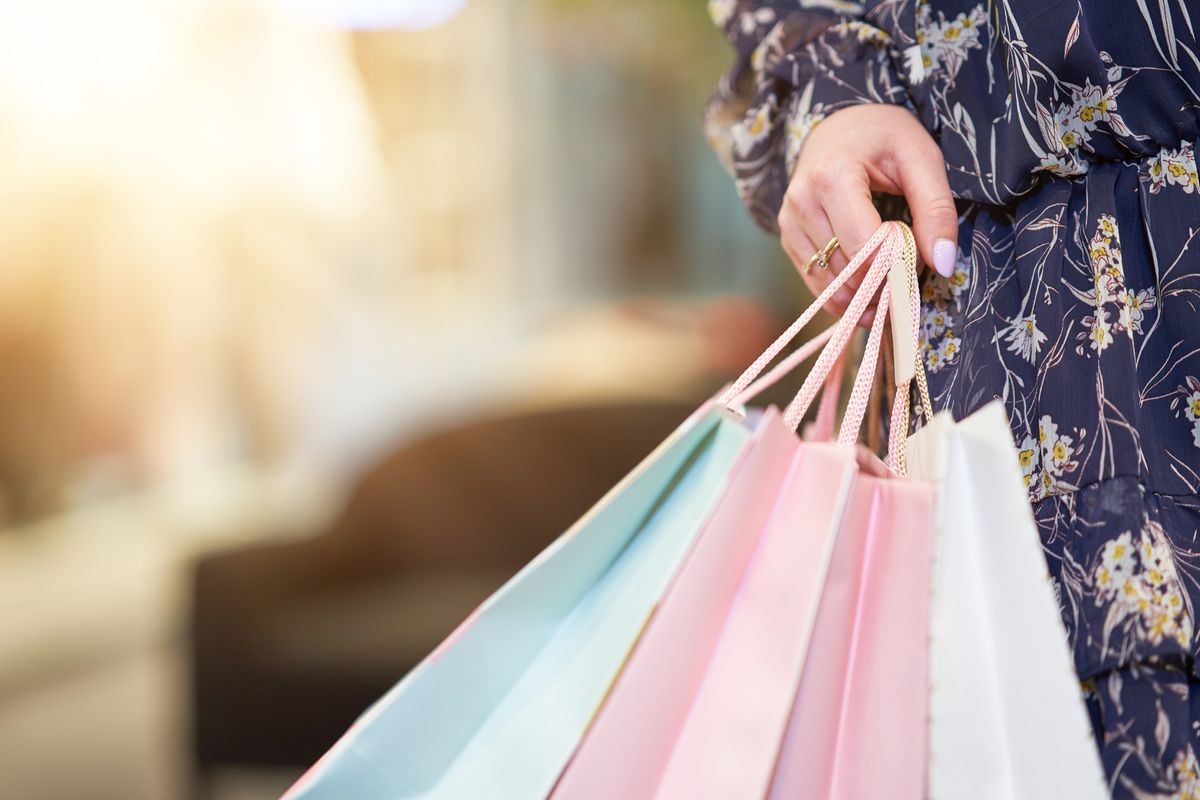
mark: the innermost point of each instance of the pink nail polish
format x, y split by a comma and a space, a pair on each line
945, 252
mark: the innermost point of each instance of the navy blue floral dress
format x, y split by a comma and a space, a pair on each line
1069, 129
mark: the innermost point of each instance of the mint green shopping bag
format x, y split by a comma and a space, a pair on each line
497, 710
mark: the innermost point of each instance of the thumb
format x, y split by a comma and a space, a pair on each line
935, 219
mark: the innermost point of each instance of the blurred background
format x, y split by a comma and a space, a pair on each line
318, 318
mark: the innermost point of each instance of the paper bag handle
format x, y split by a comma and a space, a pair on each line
894, 251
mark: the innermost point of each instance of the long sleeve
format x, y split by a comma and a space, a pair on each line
797, 61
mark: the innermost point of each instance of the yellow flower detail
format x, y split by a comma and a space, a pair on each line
1026, 457
952, 32
1087, 113
759, 123
1196, 407
1060, 451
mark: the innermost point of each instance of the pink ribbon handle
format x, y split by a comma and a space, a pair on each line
741, 389
898, 252
890, 246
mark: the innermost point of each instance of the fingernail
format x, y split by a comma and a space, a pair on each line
944, 254
867, 318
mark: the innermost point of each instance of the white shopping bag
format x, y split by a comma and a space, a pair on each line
1007, 718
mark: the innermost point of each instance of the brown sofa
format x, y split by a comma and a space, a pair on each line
291, 641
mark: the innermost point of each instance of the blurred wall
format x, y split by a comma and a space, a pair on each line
229, 233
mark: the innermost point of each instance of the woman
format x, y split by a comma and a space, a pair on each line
1046, 151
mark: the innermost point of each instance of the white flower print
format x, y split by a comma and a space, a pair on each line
933, 358
1184, 774
941, 299
751, 20
755, 127
720, 11
1099, 333
802, 118
1067, 165
948, 349
1134, 305
1068, 128
1029, 458
960, 280
1118, 309
944, 42
1118, 562
867, 34
1056, 447
1055, 459
1071, 132
1137, 576
1192, 409
1093, 105
935, 322
1187, 403
1024, 338
1174, 167
914, 64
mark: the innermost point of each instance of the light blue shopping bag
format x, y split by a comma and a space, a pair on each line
497, 710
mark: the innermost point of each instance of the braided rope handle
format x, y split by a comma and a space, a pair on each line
872, 281
893, 247
741, 388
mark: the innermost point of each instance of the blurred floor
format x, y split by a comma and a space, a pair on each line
93, 689
111, 733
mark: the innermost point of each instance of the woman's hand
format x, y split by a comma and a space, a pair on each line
855, 151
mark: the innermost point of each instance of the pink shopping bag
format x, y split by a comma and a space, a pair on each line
632, 735
703, 703
858, 729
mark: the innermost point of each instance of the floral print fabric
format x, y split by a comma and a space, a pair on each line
1069, 131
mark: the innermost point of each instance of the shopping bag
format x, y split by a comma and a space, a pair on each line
858, 724
497, 709
634, 733
1007, 715
703, 702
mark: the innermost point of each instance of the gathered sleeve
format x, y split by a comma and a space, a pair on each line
797, 61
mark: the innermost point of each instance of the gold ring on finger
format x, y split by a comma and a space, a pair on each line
821, 257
